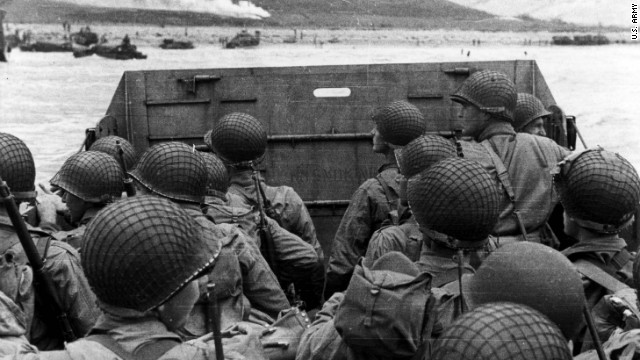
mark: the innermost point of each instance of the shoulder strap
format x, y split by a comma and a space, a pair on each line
42, 245
424, 349
599, 276
149, 351
503, 175
619, 260
393, 204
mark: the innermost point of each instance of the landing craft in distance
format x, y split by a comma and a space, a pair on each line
244, 39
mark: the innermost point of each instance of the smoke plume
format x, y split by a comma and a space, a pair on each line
241, 9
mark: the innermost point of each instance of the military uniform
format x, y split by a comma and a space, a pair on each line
77, 299
287, 204
243, 282
405, 238
529, 160
13, 329
369, 207
74, 237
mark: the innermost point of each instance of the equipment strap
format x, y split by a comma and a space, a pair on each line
503, 177
387, 192
448, 276
599, 276
148, 351
619, 260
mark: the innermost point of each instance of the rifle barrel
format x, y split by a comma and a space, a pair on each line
44, 279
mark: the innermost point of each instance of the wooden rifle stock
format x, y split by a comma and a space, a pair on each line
44, 282
267, 245
213, 319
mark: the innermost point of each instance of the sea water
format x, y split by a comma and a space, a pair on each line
49, 99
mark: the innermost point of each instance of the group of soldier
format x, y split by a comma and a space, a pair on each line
446, 254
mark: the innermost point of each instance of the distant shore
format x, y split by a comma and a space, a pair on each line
148, 35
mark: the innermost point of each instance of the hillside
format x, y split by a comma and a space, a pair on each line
369, 14
591, 12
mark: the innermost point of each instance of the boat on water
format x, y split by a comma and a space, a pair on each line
243, 39
580, 40
124, 51
171, 44
46, 46
324, 155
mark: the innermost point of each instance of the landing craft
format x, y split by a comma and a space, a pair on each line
318, 117
244, 39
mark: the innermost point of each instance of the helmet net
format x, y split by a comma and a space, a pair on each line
92, 176
140, 251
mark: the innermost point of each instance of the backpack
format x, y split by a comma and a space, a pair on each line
245, 219
386, 313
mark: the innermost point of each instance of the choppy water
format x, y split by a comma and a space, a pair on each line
48, 99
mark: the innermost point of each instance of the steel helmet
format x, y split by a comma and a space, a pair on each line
491, 91
501, 331
239, 137
140, 251
218, 183
456, 197
173, 170
599, 189
109, 145
399, 122
92, 176
423, 152
528, 109
17, 168
534, 275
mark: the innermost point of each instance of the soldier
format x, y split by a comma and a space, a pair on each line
296, 258
62, 262
530, 115
143, 256
112, 145
531, 274
416, 156
396, 331
175, 171
456, 203
521, 162
501, 331
600, 192
88, 180
240, 140
396, 124
618, 320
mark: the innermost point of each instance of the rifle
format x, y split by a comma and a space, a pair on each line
268, 209
44, 283
128, 181
267, 244
213, 319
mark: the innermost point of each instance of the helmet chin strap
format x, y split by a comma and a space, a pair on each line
603, 228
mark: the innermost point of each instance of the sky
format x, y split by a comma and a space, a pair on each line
240, 9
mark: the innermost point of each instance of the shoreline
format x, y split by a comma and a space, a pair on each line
148, 35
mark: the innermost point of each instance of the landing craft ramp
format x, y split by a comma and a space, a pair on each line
318, 117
